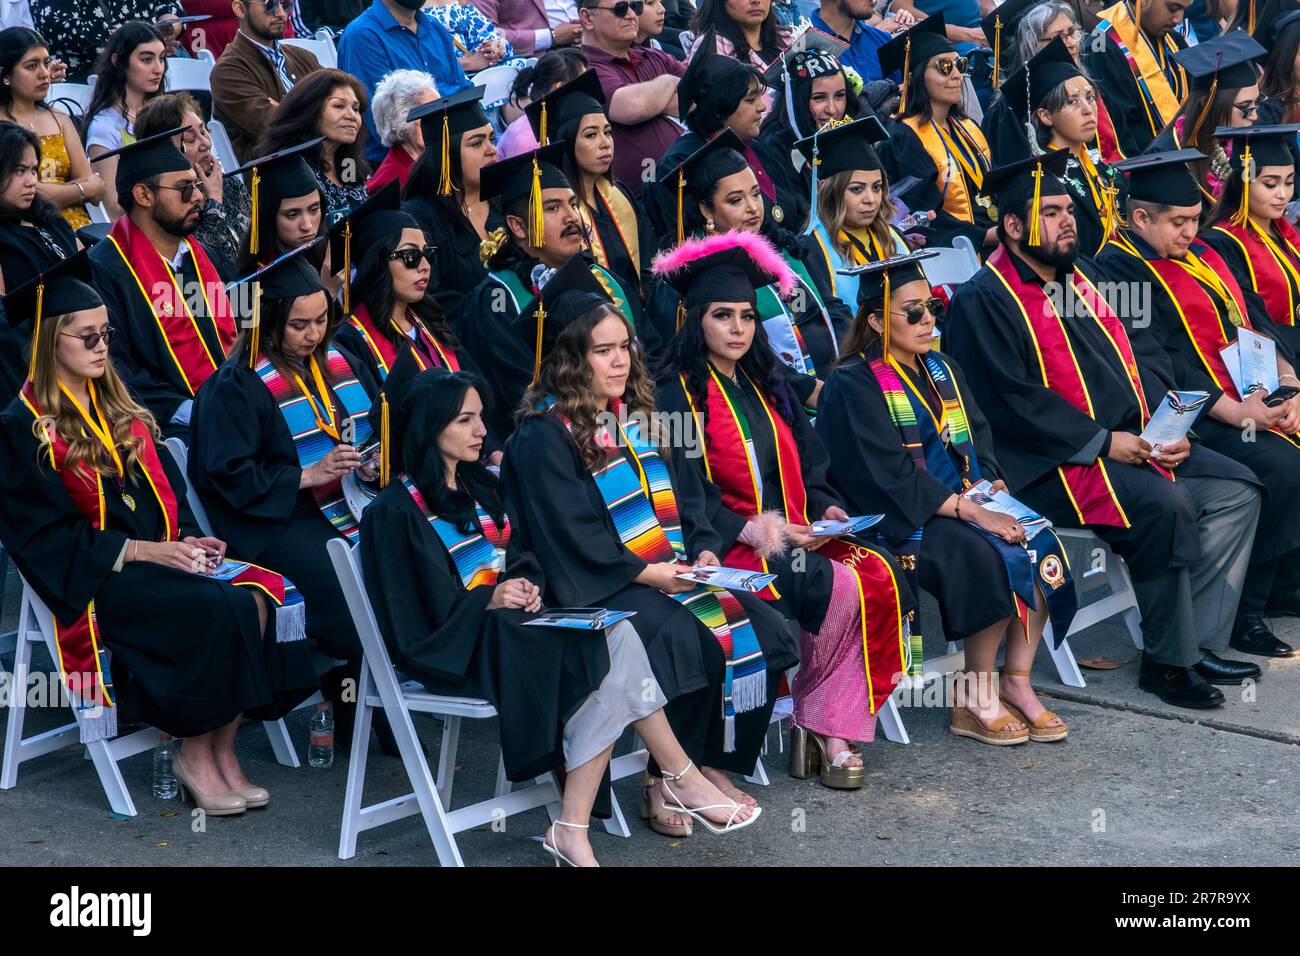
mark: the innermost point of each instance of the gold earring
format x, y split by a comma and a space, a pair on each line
708, 226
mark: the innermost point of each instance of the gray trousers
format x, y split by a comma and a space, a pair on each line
1188, 611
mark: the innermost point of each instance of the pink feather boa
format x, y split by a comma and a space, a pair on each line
760, 250
765, 533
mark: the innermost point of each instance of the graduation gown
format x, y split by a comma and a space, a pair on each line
187, 652
456, 267
1091, 202
793, 186
1269, 266
614, 240
659, 198
446, 637
1109, 67
25, 251
903, 155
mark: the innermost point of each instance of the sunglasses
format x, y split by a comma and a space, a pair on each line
945, 67
91, 339
1247, 109
621, 8
186, 191
272, 6
916, 312
411, 257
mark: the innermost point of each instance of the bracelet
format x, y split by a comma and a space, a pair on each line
135, 550
81, 189
959, 507
552, 33
1283, 378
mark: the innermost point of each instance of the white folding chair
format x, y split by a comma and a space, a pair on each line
327, 55
203, 53
496, 82
222, 146
97, 212
188, 74
953, 265
68, 95
379, 688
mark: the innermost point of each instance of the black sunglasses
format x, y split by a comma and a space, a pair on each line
91, 339
272, 6
916, 312
411, 257
621, 8
186, 191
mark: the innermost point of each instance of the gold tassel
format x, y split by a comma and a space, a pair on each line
1242, 215
385, 441
907, 69
884, 322
253, 192
681, 314
681, 226
541, 127
36, 329
347, 268
1034, 234
536, 215
537, 355
444, 175
1250, 19
1205, 110
255, 330
997, 47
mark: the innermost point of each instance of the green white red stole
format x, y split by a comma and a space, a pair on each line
480, 555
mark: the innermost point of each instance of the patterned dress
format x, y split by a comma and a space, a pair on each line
56, 167
469, 30
78, 29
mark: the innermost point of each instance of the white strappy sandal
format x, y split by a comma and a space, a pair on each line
556, 853
676, 806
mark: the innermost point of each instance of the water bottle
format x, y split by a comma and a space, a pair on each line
165, 786
912, 221
320, 739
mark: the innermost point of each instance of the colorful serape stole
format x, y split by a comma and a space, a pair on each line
479, 556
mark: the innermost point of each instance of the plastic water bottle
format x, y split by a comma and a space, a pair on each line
320, 739
165, 786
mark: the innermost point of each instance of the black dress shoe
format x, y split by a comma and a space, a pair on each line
1179, 686
1252, 635
1218, 671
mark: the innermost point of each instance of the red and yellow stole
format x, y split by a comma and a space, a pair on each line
1273, 263
611, 199
959, 152
177, 325
83, 653
385, 353
1160, 95
1087, 486
1107, 139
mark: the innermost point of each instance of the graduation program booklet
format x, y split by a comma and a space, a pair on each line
1252, 362
1174, 418
828, 527
982, 494
737, 578
579, 618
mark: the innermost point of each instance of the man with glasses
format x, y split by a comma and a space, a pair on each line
255, 71
164, 296
640, 86
1066, 386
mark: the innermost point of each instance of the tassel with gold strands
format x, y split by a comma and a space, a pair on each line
536, 215
444, 173
385, 441
36, 327
907, 69
1242, 215
1250, 18
255, 219
541, 127
347, 267
681, 188
537, 354
1034, 211
1205, 110
885, 320
255, 327
997, 48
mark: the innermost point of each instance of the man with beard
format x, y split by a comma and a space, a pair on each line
856, 23
1197, 310
166, 302
543, 230
1053, 369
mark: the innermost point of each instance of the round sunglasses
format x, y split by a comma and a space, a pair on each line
960, 64
411, 257
91, 339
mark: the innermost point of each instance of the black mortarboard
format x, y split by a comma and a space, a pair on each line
1012, 184
726, 268
523, 177
845, 147
195, 18
928, 38
565, 104
276, 176
569, 293
1026, 89
1254, 147
290, 276
814, 54
876, 280
442, 120
390, 413
65, 287
720, 156
1163, 177
367, 223
151, 156
712, 87
1000, 27
1225, 62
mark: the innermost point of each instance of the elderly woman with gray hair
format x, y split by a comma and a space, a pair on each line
396, 95
1027, 26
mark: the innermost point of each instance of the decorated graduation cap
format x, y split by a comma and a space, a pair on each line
720, 156
810, 56
916, 45
730, 267
1000, 27
1030, 179
276, 176
289, 277
1226, 62
568, 293
712, 87
63, 288
523, 177
151, 156
1254, 147
368, 223
840, 146
1026, 89
877, 280
444, 118
566, 104
1163, 177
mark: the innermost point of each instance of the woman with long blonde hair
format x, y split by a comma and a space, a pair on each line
152, 615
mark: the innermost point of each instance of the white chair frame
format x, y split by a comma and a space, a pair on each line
78, 93
953, 265
222, 146
327, 55
184, 73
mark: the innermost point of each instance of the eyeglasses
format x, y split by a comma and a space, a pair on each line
621, 8
272, 6
186, 191
1074, 33
945, 67
411, 257
91, 339
916, 312
1248, 109
1077, 103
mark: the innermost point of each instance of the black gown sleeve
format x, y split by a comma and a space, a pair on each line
1008, 142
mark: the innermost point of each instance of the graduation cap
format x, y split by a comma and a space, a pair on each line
1026, 89
569, 293
63, 288
720, 156
1285, 13
1031, 178
840, 146
276, 176
289, 277
1254, 147
1225, 62
811, 55
726, 268
916, 45
876, 280
396, 395
524, 177
712, 87
195, 18
368, 223
151, 156
445, 117
1004, 21
1163, 177
566, 104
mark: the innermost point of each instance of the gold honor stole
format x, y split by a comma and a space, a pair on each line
177, 325
1087, 486
385, 353
610, 198
1159, 98
1274, 265
81, 645
728, 464
960, 154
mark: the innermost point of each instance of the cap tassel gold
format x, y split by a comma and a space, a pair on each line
997, 48
885, 320
347, 268
1205, 110
254, 331
444, 175
537, 354
541, 127
907, 69
1250, 19
681, 188
1242, 215
253, 191
1034, 211
536, 215
681, 314
385, 441
36, 328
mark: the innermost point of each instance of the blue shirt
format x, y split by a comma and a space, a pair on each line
375, 44
861, 55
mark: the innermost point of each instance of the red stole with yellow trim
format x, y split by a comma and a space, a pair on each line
1107, 139
1087, 486
165, 299
1277, 282
385, 353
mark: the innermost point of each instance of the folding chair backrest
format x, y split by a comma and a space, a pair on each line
327, 55
496, 82
952, 266
222, 146
347, 566
205, 54
187, 74
73, 97
182, 456
97, 212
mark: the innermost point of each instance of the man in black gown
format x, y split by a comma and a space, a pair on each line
1187, 541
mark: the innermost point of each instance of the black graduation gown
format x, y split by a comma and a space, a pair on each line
244, 466
445, 636
1006, 135
1273, 459
578, 549
1088, 214
456, 267
1034, 430
634, 278
1241, 271
659, 197
25, 251
773, 147
1272, 112
187, 652
903, 155
1110, 70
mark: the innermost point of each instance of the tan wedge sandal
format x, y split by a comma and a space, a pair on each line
1039, 731
963, 723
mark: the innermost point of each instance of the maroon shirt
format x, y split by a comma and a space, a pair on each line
635, 143
396, 165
